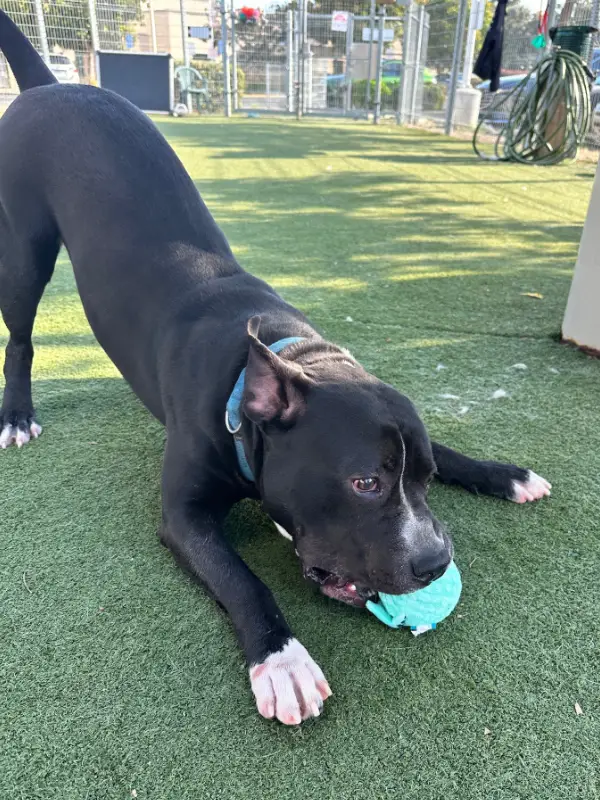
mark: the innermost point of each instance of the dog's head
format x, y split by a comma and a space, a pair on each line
343, 464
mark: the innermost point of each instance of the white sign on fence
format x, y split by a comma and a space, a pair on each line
388, 35
339, 21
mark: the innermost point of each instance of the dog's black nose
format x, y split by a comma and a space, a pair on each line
430, 564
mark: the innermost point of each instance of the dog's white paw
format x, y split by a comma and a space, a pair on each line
13, 434
533, 488
289, 685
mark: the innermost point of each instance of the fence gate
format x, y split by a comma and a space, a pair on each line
285, 62
415, 44
265, 54
337, 73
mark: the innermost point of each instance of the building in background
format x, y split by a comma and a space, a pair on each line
201, 16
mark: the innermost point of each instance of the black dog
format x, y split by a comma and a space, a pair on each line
340, 460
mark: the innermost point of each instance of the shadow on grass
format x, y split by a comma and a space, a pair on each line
383, 251
398, 249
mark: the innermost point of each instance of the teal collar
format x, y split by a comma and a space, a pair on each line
233, 412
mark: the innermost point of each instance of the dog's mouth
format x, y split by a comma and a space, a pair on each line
339, 588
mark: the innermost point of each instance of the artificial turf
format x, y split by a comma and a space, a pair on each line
117, 673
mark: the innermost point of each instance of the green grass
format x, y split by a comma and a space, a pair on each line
117, 673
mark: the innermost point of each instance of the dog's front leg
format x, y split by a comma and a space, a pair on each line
488, 477
286, 682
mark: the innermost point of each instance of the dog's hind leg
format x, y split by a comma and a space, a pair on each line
488, 477
26, 266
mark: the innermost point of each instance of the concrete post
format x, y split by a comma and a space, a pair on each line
581, 324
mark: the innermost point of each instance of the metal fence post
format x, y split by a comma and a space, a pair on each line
234, 70
594, 19
417, 72
303, 44
370, 51
377, 113
305, 55
39, 12
225, 45
406, 43
94, 37
551, 23
152, 26
268, 83
308, 104
300, 59
298, 16
186, 98
290, 60
184, 33
459, 36
348, 76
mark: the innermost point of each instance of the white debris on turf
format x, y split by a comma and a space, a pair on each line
519, 366
463, 410
498, 394
440, 367
447, 396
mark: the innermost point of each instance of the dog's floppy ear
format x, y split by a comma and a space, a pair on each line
274, 388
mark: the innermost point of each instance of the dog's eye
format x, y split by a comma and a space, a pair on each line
363, 485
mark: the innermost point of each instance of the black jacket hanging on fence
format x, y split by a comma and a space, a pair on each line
489, 59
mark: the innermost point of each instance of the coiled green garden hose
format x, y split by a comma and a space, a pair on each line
545, 118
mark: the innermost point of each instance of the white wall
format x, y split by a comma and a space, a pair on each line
581, 324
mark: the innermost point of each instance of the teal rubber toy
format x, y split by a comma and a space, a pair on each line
421, 610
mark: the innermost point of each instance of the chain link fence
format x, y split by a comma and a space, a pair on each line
67, 32
520, 56
290, 61
335, 64
401, 61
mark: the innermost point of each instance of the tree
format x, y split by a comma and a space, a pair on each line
520, 28
521, 22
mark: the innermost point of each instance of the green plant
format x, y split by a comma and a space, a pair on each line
434, 96
359, 93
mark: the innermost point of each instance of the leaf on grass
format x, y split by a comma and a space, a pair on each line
578, 710
535, 295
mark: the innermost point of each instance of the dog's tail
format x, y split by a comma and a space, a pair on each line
26, 63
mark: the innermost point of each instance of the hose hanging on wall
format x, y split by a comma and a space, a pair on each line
544, 119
